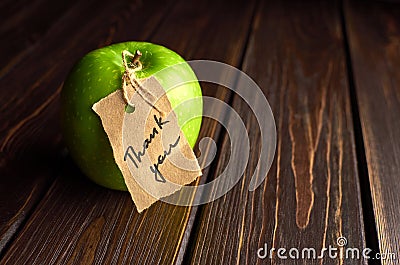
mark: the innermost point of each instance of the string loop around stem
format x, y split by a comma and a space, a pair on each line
129, 71
129, 77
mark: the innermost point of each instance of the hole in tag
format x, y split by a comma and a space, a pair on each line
129, 108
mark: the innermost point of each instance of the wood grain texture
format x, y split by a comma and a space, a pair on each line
30, 139
374, 38
24, 23
311, 195
79, 222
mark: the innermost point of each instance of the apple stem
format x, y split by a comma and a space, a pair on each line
135, 60
136, 57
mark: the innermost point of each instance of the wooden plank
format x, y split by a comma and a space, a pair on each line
30, 140
311, 195
374, 37
24, 25
98, 225
10, 9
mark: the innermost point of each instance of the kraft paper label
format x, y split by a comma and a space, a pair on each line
148, 145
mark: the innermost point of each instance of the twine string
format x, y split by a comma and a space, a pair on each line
129, 78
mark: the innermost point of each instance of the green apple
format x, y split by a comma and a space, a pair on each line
98, 74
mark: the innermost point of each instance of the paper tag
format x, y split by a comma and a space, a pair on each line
148, 145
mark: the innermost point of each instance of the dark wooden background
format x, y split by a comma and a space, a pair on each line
331, 72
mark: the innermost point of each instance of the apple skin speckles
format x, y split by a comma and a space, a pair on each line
98, 74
